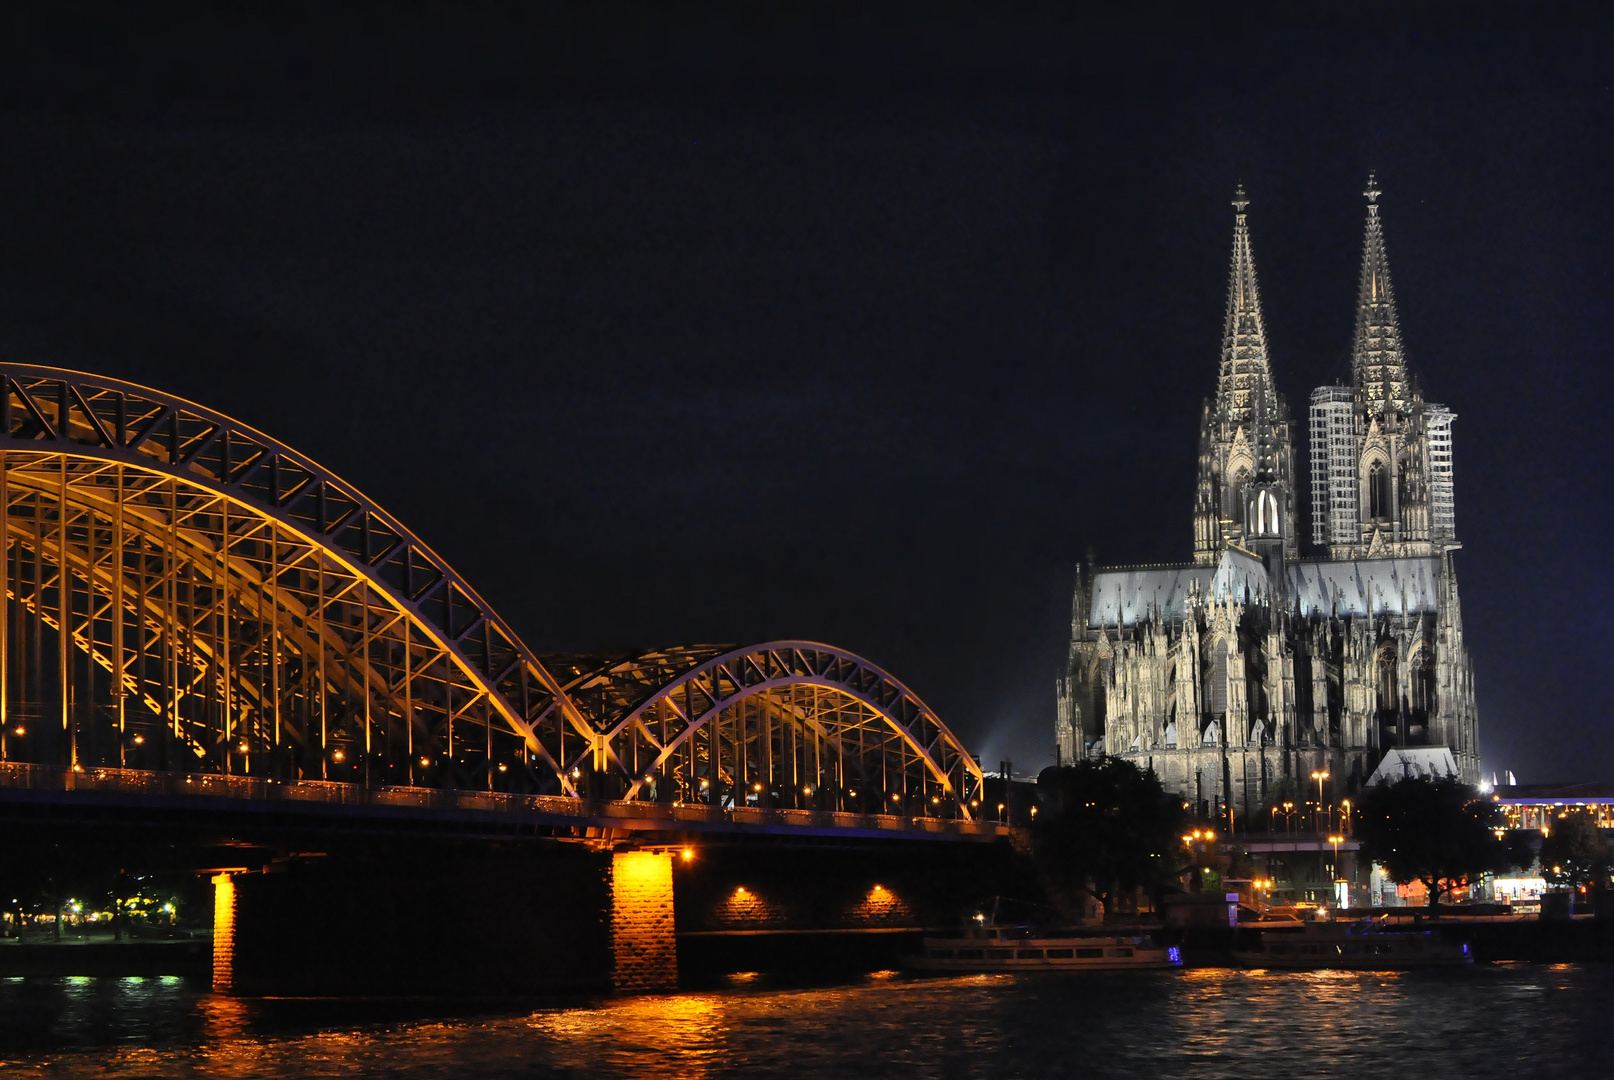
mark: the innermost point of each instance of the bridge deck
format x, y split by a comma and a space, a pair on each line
135, 788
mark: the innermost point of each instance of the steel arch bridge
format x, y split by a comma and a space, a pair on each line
185, 594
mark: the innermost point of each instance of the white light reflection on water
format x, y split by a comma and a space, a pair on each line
1487, 1021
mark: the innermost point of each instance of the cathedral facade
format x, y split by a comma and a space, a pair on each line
1239, 675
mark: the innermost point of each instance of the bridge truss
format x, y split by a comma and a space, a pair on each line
185, 594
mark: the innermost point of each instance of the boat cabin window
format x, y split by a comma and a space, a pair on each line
1000, 954
941, 954
1059, 954
1120, 952
1029, 954
1090, 954
969, 954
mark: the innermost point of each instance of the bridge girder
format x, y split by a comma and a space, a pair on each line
246, 611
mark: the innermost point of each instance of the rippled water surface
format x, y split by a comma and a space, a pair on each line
1506, 1020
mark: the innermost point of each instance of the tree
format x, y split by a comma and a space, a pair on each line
1438, 832
1105, 828
1574, 853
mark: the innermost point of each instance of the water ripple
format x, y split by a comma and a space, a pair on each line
1488, 1021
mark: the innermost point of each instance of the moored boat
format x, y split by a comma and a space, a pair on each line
1364, 946
1009, 948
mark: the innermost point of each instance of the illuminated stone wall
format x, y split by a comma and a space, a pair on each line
724, 890
223, 933
644, 950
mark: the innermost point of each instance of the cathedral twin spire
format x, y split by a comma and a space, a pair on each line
1378, 364
1244, 392
1380, 457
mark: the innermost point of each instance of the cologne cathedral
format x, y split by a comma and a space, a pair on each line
1238, 676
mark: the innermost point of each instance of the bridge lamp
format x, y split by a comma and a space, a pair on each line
895, 797
425, 761
138, 739
338, 756
242, 748
503, 767
704, 783
20, 731
688, 854
756, 787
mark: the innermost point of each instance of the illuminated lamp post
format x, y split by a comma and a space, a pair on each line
1320, 775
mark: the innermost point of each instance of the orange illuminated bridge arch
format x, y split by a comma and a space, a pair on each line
185, 593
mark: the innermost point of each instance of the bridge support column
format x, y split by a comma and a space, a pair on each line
644, 951
223, 933
422, 918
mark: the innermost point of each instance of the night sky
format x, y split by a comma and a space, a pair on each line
860, 325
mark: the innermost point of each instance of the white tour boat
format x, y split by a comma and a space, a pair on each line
1012, 948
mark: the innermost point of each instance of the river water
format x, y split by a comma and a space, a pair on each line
1502, 1020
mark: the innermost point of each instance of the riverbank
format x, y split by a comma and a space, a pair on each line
193, 958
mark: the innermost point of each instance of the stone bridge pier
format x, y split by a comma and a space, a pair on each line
527, 919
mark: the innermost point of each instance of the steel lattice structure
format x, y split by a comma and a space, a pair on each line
186, 594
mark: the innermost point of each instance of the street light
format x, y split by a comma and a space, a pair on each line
1320, 775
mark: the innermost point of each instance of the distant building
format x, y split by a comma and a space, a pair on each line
1250, 667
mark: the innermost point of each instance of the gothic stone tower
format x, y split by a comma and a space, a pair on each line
1236, 676
1381, 456
1246, 457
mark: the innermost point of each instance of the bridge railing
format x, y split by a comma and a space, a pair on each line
139, 782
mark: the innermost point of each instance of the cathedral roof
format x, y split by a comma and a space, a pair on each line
1426, 762
1348, 587
1378, 363
1406, 586
1125, 597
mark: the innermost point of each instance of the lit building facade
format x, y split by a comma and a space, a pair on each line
1238, 676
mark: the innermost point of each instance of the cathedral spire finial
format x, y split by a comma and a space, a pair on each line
1377, 359
1244, 389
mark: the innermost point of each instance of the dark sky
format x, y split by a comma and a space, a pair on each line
856, 324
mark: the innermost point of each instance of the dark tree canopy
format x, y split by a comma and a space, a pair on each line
1439, 832
1104, 828
1574, 853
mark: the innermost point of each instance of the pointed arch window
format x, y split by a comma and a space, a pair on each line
1240, 480
1388, 690
1421, 670
1216, 692
1266, 514
1378, 492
